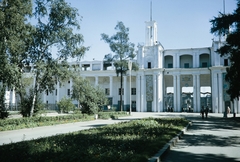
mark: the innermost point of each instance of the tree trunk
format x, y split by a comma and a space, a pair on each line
34, 94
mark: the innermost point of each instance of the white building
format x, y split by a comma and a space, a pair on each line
167, 79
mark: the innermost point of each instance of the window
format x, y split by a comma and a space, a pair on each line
133, 106
107, 91
204, 64
186, 65
68, 92
56, 92
170, 65
133, 91
225, 62
119, 91
46, 102
47, 92
149, 65
69, 81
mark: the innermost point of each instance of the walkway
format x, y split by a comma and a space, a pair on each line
208, 140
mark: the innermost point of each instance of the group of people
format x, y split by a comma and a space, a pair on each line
204, 111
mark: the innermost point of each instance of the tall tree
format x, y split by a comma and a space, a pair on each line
230, 48
124, 51
15, 38
56, 21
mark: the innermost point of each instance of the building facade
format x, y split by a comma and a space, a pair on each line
178, 80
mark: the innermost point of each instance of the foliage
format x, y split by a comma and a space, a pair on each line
15, 40
127, 141
24, 45
26, 104
36, 121
123, 49
230, 48
66, 105
90, 98
56, 21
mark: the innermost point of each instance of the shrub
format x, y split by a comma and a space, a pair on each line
26, 104
65, 105
3, 114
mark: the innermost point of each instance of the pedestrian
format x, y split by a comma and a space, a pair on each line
228, 110
202, 112
206, 111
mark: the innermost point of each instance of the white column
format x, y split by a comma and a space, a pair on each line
160, 92
111, 86
143, 92
44, 96
178, 94
215, 93
175, 91
91, 66
235, 106
101, 68
138, 93
198, 94
154, 93
194, 60
238, 109
194, 93
220, 86
177, 60
96, 80
197, 60
14, 98
125, 94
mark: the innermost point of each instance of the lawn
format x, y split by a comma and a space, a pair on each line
136, 140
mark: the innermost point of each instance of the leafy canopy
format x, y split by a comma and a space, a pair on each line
124, 51
230, 48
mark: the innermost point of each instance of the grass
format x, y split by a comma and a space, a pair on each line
133, 141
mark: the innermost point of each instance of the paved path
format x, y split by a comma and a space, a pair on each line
209, 140
215, 139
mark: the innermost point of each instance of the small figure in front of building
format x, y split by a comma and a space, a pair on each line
171, 109
202, 112
228, 110
206, 111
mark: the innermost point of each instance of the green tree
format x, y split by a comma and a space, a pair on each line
56, 21
15, 38
91, 99
124, 51
230, 48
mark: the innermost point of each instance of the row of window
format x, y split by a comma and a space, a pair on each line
133, 91
187, 65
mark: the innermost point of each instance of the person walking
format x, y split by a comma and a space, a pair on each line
202, 112
206, 111
228, 110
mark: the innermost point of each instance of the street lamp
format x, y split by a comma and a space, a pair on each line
130, 68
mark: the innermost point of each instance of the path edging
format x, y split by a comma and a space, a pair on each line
158, 156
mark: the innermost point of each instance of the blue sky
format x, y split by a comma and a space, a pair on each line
181, 23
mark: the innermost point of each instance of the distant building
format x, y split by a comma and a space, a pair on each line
179, 80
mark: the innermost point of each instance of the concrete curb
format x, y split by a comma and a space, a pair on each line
158, 156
